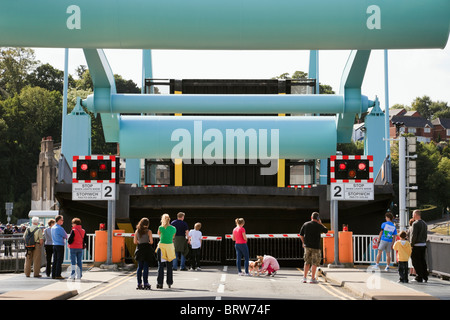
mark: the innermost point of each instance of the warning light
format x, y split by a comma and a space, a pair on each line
95, 169
362, 166
351, 169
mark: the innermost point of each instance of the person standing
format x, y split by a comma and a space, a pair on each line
48, 245
403, 247
386, 236
240, 238
180, 241
310, 235
165, 251
8, 243
59, 237
33, 256
77, 243
195, 238
419, 236
144, 255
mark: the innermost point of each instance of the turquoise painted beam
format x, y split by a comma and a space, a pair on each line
264, 137
351, 82
374, 143
231, 24
227, 104
104, 87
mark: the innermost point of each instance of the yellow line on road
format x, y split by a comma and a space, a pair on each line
331, 290
110, 286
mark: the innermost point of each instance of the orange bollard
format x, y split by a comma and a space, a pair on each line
328, 248
101, 240
118, 249
101, 243
345, 247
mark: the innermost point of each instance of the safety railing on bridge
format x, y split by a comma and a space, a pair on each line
12, 252
215, 249
88, 252
210, 252
364, 253
281, 246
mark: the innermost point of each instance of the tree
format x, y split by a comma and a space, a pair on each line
48, 77
431, 109
297, 75
433, 177
126, 86
15, 65
24, 119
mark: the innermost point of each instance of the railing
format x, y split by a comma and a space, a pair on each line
281, 246
285, 247
12, 252
363, 251
88, 253
211, 250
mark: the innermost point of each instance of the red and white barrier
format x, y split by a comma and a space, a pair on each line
301, 186
268, 236
131, 235
156, 185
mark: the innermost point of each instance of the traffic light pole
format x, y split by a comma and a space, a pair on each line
403, 213
111, 224
335, 228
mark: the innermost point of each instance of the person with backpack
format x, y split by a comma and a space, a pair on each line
34, 240
77, 242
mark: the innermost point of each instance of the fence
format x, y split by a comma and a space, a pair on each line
363, 252
281, 246
211, 247
88, 253
12, 252
285, 247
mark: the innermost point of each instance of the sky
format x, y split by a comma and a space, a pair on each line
412, 73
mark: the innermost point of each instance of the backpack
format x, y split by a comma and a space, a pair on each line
30, 243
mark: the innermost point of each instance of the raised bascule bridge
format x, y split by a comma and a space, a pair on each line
183, 138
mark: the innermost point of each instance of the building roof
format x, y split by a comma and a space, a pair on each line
395, 112
414, 122
445, 122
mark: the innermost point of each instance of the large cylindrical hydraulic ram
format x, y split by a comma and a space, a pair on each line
222, 104
227, 137
231, 24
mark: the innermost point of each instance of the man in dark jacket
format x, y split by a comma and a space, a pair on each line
419, 246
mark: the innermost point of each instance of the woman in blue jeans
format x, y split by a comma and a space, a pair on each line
240, 237
77, 243
144, 254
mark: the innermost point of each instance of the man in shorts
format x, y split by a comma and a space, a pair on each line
310, 235
387, 233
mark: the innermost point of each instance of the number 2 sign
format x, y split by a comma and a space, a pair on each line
337, 191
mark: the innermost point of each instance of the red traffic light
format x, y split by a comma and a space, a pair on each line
84, 166
102, 167
342, 166
362, 166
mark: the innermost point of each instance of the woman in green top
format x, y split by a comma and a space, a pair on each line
165, 250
